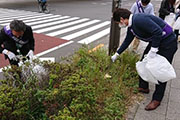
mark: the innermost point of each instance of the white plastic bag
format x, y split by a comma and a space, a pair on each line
176, 25
170, 19
160, 68
144, 73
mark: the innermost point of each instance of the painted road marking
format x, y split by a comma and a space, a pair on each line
52, 59
94, 37
42, 18
4, 20
56, 24
47, 20
30, 19
77, 34
55, 48
72, 28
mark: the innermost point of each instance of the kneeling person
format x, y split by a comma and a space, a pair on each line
16, 39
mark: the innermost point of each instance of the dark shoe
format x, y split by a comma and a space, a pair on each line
152, 105
142, 90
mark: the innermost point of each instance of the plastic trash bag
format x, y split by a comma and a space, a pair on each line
176, 25
143, 72
38, 69
170, 19
160, 68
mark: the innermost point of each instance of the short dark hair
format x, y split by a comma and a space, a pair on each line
17, 25
121, 12
145, 1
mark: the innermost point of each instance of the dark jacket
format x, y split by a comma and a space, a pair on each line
165, 9
6, 42
148, 28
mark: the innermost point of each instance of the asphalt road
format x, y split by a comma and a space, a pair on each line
93, 9
89, 8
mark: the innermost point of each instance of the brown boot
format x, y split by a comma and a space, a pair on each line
142, 90
152, 105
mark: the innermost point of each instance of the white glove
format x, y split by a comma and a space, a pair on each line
152, 52
114, 57
177, 10
30, 54
10, 55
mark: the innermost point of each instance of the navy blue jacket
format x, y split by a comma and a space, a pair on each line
148, 28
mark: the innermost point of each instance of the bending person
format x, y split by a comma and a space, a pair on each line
160, 37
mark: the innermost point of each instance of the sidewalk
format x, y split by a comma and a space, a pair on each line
170, 105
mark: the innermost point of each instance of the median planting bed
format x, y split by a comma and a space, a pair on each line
86, 86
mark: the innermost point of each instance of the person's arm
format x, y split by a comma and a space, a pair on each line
31, 41
126, 42
151, 9
4, 51
1, 41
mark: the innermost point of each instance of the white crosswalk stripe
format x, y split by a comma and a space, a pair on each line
47, 20
72, 28
77, 34
57, 24
29, 19
94, 37
76, 29
9, 18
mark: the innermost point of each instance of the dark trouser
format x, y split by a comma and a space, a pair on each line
168, 51
177, 34
43, 6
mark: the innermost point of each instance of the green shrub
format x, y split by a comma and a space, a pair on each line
13, 104
73, 90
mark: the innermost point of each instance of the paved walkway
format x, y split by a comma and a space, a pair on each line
170, 105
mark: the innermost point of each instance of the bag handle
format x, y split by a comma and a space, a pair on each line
139, 7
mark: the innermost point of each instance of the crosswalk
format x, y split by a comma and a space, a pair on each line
80, 30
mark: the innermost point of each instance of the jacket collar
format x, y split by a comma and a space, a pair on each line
130, 20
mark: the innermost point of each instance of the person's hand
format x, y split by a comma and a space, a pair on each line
152, 52
177, 10
10, 55
114, 57
30, 54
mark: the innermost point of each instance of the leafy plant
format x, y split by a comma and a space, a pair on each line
76, 89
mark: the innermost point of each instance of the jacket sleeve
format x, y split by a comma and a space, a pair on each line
31, 42
1, 41
126, 42
152, 10
163, 8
